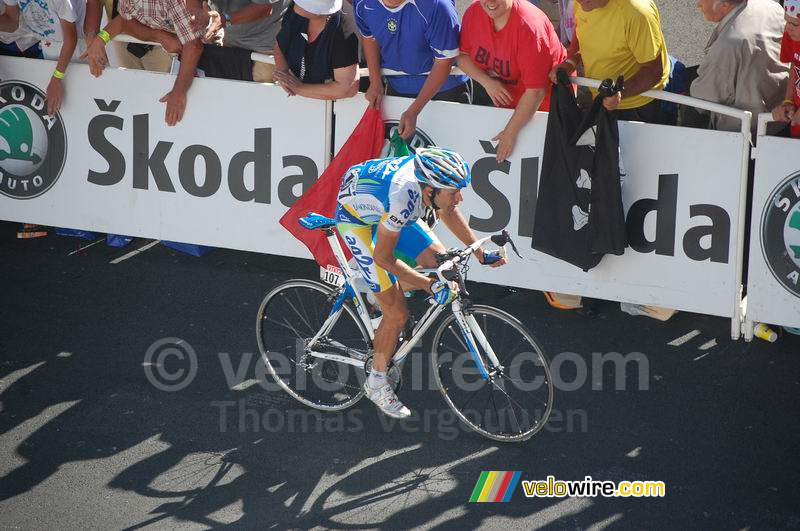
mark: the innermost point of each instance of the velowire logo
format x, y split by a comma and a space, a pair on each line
780, 233
33, 145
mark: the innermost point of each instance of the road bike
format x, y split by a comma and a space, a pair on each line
316, 341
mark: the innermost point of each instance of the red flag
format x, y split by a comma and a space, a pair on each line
364, 143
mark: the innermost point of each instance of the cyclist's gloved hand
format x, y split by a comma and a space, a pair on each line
492, 257
443, 292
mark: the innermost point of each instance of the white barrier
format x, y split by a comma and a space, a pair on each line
773, 282
678, 194
244, 152
222, 177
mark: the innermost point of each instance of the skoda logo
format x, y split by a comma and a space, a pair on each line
420, 138
780, 233
33, 145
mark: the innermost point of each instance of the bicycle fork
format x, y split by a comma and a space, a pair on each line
471, 331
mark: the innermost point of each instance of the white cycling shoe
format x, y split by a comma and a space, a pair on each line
387, 401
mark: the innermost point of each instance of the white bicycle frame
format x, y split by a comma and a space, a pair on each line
470, 329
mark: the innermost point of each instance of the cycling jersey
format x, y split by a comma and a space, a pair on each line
382, 192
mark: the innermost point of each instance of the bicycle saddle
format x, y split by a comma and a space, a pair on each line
316, 221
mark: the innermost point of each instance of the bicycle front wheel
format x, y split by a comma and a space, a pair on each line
289, 317
509, 401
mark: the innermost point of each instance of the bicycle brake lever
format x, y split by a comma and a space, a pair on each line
513, 247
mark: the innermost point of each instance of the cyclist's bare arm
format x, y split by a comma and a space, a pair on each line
458, 225
384, 257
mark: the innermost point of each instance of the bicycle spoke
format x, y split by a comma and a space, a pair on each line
459, 337
513, 416
511, 400
305, 320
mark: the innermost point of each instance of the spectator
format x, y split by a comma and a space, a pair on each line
742, 66
19, 43
621, 37
566, 10
56, 23
790, 53
134, 56
248, 24
419, 39
509, 48
317, 52
155, 21
551, 8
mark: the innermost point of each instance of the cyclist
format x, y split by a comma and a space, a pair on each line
379, 206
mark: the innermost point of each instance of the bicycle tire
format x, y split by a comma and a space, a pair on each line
278, 342
485, 422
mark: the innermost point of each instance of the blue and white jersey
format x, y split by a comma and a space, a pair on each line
410, 37
381, 191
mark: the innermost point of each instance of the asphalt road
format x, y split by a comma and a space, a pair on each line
87, 442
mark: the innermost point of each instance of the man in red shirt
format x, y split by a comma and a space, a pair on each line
790, 53
509, 48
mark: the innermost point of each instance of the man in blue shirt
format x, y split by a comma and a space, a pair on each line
419, 38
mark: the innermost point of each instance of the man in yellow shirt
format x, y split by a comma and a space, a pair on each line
621, 37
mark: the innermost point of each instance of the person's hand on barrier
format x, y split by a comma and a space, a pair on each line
612, 102
374, 94
176, 105
567, 66
288, 81
783, 112
506, 139
497, 91
96, 55
170, 42
491, 258
55, 96
408, 124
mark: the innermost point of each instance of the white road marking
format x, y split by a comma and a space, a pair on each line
134, 253
86, 246
702, 356
707, 345
684, 338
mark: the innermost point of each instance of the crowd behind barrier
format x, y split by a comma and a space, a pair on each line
314, 47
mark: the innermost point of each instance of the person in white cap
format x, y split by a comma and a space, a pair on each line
790, 53
317, 51
742, 66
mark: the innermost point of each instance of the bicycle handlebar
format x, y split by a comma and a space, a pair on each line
458, 256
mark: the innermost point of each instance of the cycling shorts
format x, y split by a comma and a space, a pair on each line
360, 239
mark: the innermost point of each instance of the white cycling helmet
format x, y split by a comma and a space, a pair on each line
441, 168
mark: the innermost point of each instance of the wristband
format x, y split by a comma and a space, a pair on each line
104, 36
789, 102
572, 62
58, 74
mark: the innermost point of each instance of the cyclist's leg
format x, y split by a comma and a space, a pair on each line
395, 314
359, 239
418, 246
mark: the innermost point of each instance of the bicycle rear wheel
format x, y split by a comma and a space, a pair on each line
289, 317
515, 401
